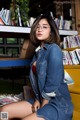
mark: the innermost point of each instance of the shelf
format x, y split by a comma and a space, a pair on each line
13, 62
14, 31
68, 32
71, 66
70, 49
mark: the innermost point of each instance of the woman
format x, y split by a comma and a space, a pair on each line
52, 99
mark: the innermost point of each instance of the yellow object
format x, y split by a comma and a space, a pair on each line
74, 72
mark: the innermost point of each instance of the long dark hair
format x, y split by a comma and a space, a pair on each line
54, 37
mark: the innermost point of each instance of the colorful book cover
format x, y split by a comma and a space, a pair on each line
67, 78
7, 99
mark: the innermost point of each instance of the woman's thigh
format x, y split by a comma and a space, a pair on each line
18, 109
47, 112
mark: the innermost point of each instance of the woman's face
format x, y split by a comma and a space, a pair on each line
43, 30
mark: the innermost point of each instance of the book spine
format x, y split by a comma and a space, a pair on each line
77, 51
74, 57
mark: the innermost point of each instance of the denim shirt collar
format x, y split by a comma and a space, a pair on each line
46, 46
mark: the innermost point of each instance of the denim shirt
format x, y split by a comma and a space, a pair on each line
50, 76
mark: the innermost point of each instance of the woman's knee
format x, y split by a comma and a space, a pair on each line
4, 108
7, 109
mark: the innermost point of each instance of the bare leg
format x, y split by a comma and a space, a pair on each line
33, 116
17, 110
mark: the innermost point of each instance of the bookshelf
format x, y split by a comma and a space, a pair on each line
72, 68
21, 32
74, 72
18, 34
12, 31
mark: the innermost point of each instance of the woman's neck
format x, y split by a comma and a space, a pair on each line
42, 44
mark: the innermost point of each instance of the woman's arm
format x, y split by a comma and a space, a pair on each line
54, 72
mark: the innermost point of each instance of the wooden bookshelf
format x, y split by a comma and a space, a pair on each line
70, 49
71, 66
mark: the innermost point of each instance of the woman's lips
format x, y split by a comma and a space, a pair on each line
39, 34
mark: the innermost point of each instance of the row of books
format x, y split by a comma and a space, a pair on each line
63, 24
71, 41
6, 99
5, 19
71, 57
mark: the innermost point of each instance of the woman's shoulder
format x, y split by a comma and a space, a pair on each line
55, 47
55, 50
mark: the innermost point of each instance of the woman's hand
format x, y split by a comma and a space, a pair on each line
35, 106
44, 102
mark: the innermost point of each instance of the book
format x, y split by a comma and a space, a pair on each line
8, 99
77, 51
77, 38
66, 58
5, 16
67, 78
19, 17
74, 57
65, 43
71, 42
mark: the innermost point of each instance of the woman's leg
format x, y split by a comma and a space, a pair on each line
33, 116
18, 109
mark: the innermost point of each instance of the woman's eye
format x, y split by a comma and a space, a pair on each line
44, 27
